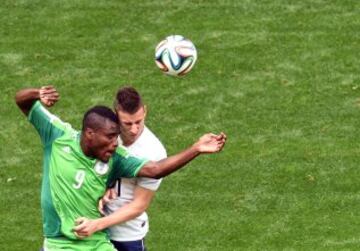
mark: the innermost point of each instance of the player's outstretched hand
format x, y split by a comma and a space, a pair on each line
48, 95
109, 195
85, 227
211, 143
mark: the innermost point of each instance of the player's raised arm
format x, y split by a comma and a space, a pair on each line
25, 98
47, 125
208, 143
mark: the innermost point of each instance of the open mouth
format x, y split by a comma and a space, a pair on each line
112, 150
109, 153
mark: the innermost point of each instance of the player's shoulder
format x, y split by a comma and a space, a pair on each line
150, 141
122, 151
149, 137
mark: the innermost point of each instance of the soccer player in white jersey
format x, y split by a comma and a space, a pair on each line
136, 194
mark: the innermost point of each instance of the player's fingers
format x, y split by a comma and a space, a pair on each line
221, 136
221, 146
217, 149
79, 236
222, 140
52, 97
46, 100
80, 220
82, 232
217, 145
101, 207
112, 194
48, 93
106, 199
53, 94
79, 228
49, 100
48, 104
211, 136
47, 89
207, 136
107, 193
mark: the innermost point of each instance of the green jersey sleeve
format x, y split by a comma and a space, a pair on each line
125, 165
46, 124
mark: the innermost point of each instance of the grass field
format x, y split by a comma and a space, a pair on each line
280, 77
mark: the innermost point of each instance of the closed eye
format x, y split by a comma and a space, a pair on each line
111, 135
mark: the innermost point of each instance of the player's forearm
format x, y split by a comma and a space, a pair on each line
25, 98
123, 214
169, 165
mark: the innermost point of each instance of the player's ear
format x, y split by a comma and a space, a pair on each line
89, 133
145, 111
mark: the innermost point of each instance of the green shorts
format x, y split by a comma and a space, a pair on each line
63, 244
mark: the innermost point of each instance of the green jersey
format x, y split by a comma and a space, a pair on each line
72, 182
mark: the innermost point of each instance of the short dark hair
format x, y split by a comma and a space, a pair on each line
95, 116
128, 99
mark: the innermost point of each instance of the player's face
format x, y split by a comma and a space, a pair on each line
131, 125
104, 141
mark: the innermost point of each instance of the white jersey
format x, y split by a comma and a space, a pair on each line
146, 146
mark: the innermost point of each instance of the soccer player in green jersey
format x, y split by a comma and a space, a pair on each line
77, 166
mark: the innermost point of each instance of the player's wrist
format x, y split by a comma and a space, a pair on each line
35, 93
101, 223
196, 148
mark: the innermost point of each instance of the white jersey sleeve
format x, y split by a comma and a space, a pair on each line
149, 183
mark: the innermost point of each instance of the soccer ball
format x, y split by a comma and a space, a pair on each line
175, 55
